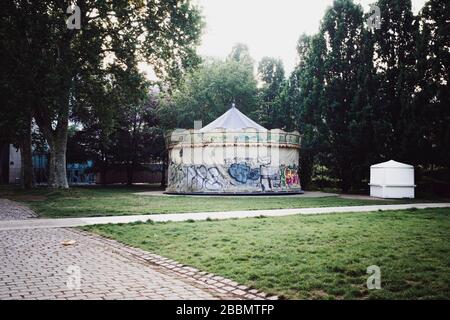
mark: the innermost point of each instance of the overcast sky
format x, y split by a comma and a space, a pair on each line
268, 27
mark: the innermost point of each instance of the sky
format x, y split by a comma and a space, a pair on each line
268, 27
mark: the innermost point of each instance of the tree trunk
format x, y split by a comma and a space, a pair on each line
306, 167
165, 161
130, 173
57, 161
103, 172
27, 159
27, 163
163, 175
57, 141
346, 183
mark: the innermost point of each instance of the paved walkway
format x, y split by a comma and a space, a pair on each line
61, 263
306, 194
10, 210
35, 264
77, 222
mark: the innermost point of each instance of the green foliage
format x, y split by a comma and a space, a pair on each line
395, 59
302, 102
430, 111
86, 75
271, 74
359, 97
342, 31
208, 92
241, 54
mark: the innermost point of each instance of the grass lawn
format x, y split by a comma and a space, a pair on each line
320, 257
98, 201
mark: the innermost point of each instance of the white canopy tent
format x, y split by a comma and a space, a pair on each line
233, 119
392, 179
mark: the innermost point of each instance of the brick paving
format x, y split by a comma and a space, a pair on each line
35, 264
10, 210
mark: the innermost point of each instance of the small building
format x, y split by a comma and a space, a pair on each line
10, 164
392, 179
233, 155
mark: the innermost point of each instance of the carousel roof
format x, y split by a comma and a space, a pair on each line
233, 119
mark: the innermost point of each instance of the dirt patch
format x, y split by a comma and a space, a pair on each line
318, 294
360, 197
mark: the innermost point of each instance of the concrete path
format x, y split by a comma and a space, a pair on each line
77, 222
306, 194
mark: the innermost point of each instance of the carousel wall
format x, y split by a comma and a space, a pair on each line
233, 155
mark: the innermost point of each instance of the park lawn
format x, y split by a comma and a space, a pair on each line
108, 201
312, 257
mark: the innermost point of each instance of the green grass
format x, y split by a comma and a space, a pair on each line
98, 201
314, 257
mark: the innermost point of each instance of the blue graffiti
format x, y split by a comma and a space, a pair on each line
241, 172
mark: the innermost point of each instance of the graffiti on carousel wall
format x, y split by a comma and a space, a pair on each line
196, 178
246, 175
270, 178
264, 176
176, 178
254, 173
289, 176
242, 172
200, 177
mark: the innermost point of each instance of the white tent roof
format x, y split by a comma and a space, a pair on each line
391, 164
233, 119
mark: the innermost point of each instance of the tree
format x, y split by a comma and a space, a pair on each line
302, 102
114, 37
430, 136
17, 82
271, 75
328, 95
15, 128
394, 62
241, 54
342, 31
366, 119
126, 136
208, 92
136, 138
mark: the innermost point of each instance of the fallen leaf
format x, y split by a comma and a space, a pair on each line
68, 242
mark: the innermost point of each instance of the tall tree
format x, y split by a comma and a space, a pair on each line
18, 80
394, 62
365, 118
114, 37
240, 53
342, 31
302, 102
430, 136
271, 76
